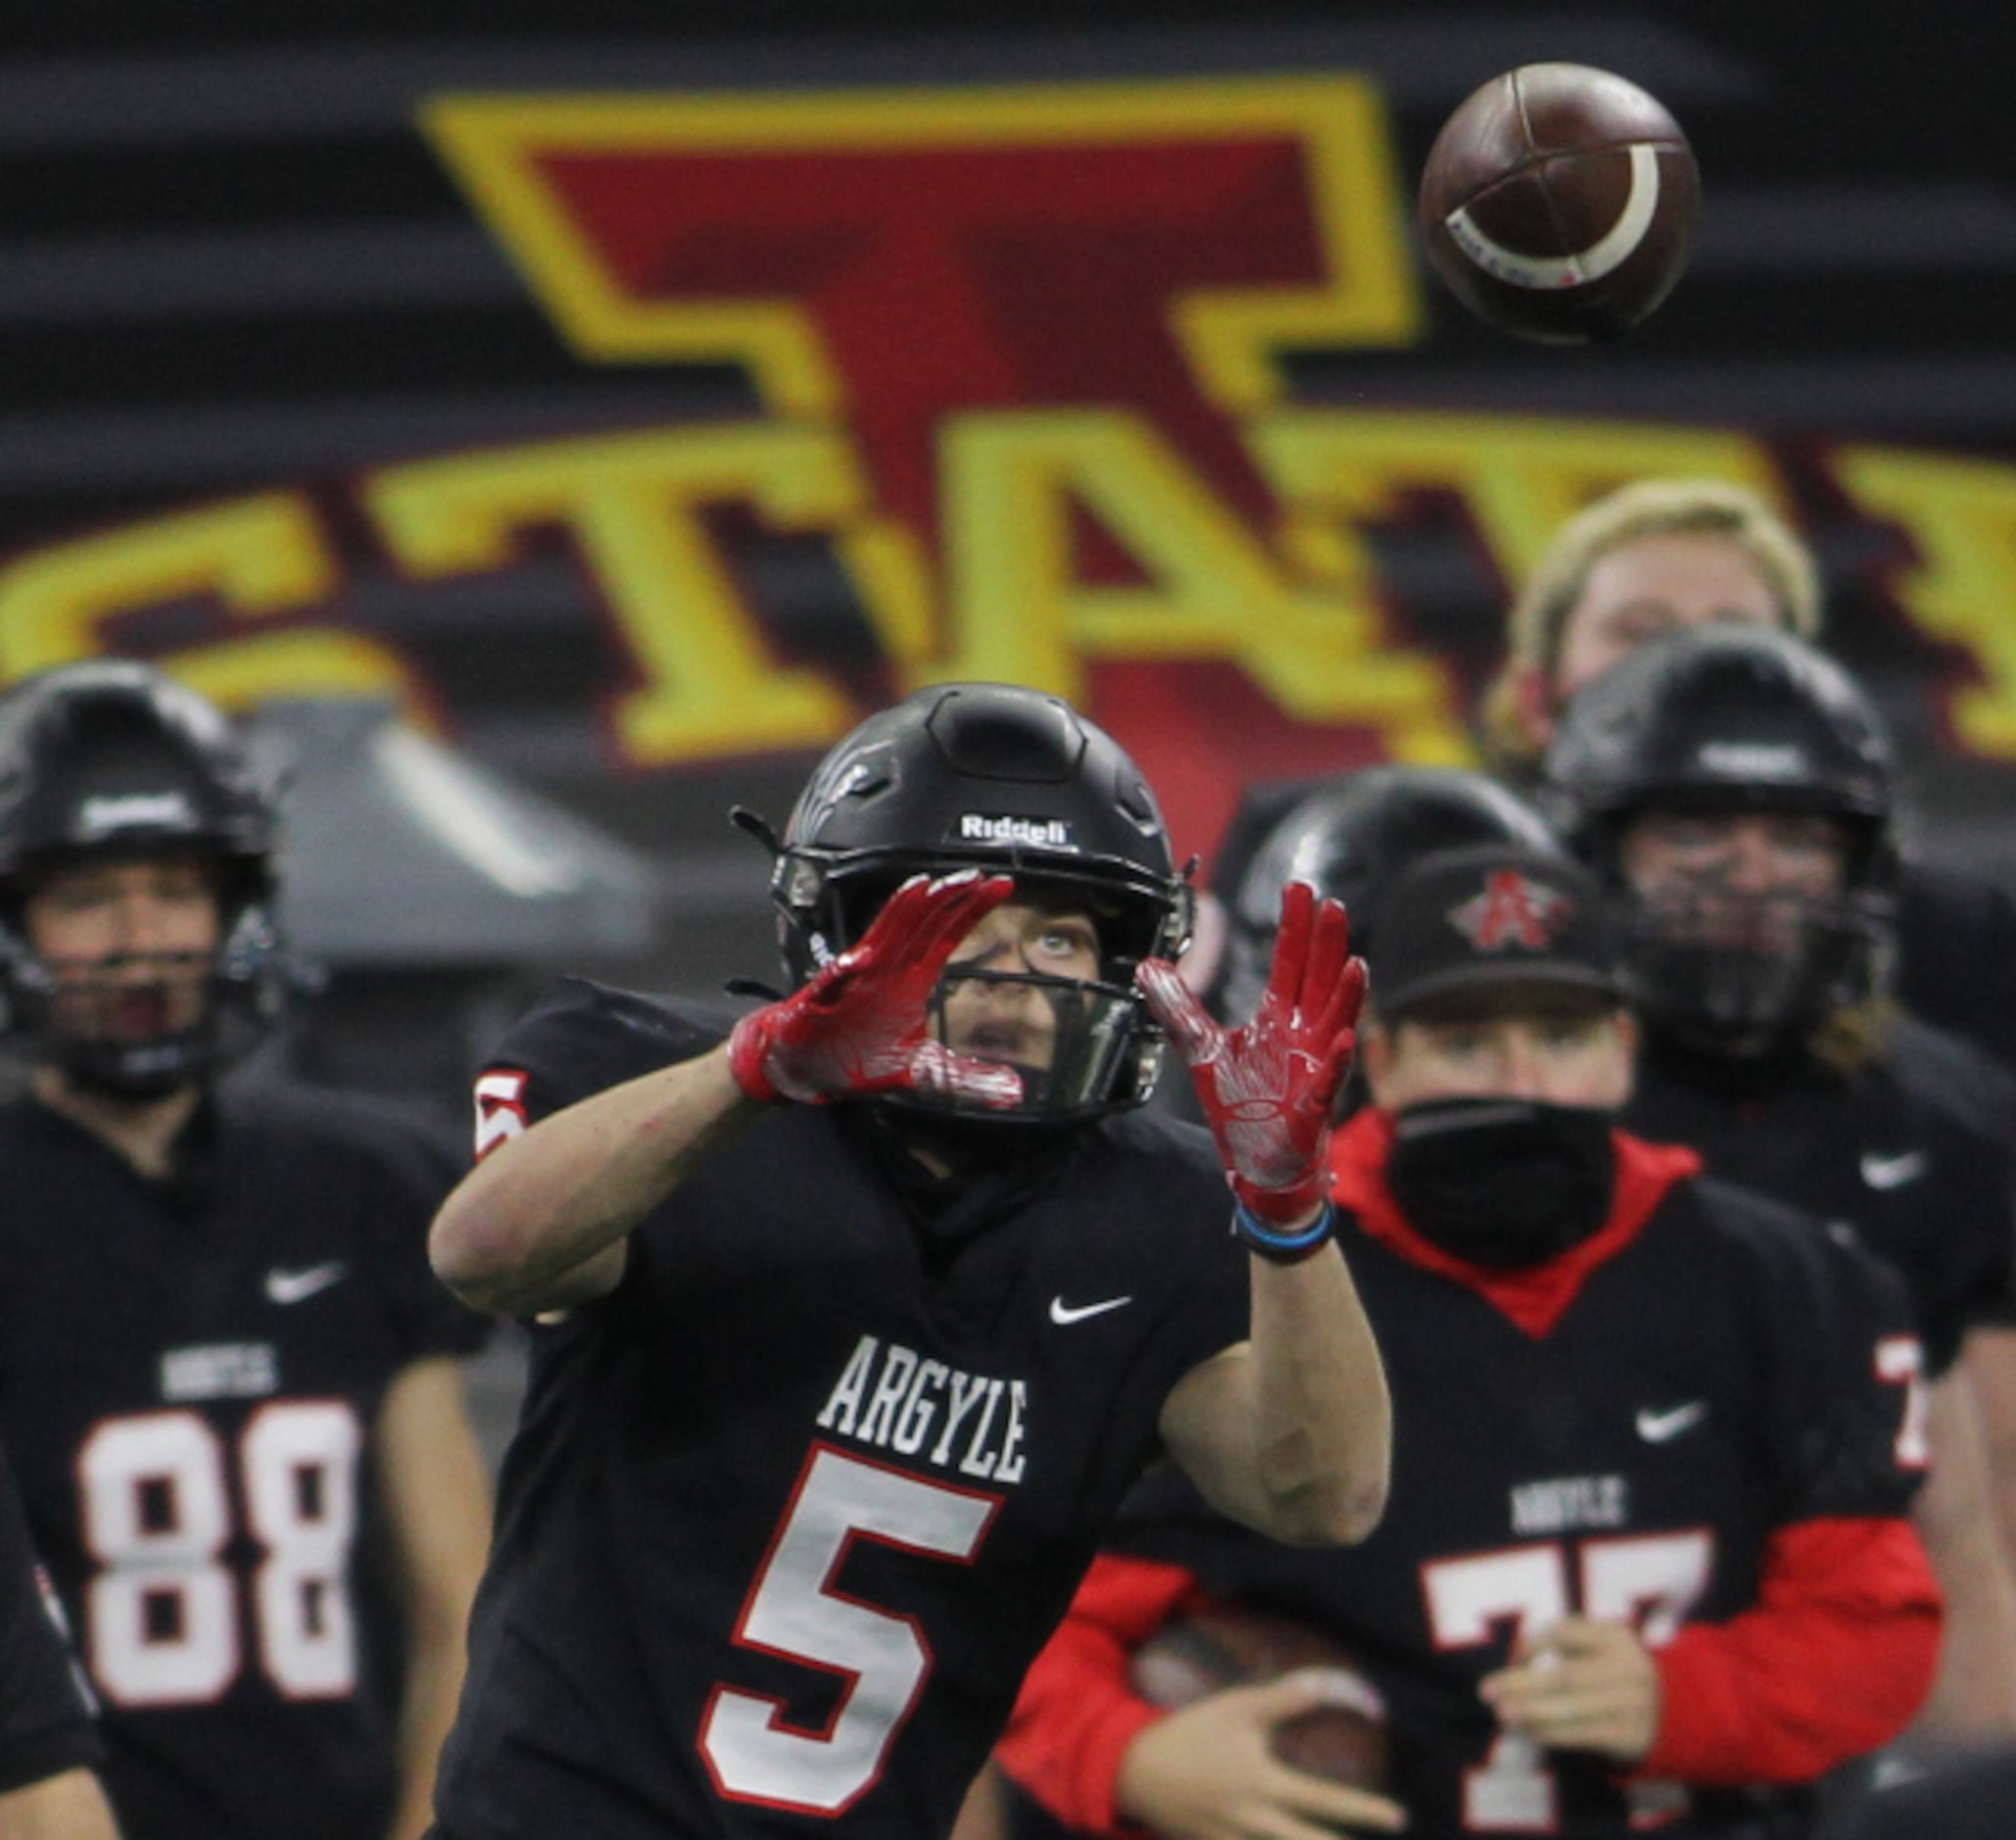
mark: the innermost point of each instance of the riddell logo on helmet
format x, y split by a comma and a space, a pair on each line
1513, 911
1754, 759
1042, 833
132, 811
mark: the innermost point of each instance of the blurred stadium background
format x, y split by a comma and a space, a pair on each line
558, 423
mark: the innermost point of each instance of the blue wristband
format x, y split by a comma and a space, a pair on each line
1279, 1248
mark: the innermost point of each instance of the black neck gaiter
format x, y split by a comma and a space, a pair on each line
1504, 1183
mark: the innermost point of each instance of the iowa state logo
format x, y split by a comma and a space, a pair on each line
1003, 380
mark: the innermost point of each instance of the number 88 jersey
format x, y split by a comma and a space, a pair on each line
189, 1372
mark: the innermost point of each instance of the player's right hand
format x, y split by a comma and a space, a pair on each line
859, 1024
1209, 1772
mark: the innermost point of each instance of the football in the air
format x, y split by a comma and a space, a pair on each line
1221, 1646
1559, 202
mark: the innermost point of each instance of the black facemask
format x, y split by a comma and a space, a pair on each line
1504, 1183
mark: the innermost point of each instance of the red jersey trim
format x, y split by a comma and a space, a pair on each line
1534, 1299
1077, 1713
1832, 1662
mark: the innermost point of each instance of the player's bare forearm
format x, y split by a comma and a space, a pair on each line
1324, 1423
1291, 1433
69, 1806
1973, 1700
540, 1222
432, 1689
437, 1506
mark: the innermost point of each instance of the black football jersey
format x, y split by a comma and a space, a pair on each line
45, 1720
1717, 1379
1956, 955
1879, 1149
790, 1512
189, 1372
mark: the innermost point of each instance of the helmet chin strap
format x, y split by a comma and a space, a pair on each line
139, 1071
94, 1057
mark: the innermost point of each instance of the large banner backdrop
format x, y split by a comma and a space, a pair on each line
638, 397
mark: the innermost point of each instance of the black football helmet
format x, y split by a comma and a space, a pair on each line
1721, 719
109, 761
1007, 779
1349, 838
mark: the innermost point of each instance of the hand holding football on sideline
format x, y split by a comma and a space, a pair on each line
1270, 1088
1213, 1770
859, 1025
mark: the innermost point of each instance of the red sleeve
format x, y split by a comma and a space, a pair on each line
1077, 1714
1831, 1662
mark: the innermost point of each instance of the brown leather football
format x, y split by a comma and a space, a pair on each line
1223, 1646
1559, 202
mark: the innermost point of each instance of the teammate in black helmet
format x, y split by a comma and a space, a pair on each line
1660, 555
1349, 838
227, 1376
857, 1316
111, 764
1692, 771
1735, 786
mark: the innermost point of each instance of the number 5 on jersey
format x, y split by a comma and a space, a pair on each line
797, 1611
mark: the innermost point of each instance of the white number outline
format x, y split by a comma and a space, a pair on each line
501, 1113
191, 1559
793, 1612
1901, 1362
115, 1463
302, 1579
1651, 1580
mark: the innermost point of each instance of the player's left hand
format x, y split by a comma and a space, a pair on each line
1270, 1088
1581, 1685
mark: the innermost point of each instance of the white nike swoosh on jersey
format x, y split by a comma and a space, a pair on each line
1659, 1427
1065, 1314
285, 1286
1893, 1172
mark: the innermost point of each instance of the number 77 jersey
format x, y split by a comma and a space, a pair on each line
1730, 1400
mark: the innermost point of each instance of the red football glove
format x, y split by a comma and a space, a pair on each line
1269, 1088
858, 1025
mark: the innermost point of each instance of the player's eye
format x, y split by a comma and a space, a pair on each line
77, 898
1697, 846
1814, 842
1635, 626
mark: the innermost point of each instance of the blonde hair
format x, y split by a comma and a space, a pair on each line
1646, 508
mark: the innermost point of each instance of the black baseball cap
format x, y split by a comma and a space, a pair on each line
1493, 914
